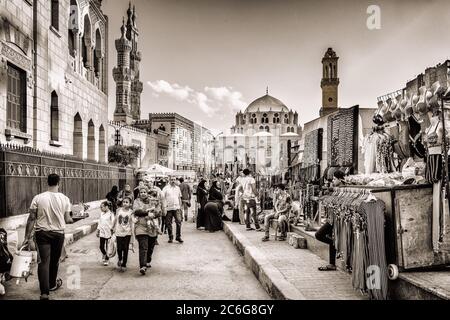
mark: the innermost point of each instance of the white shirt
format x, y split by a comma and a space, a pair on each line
247, 183
172, 197
51, 208
105, 224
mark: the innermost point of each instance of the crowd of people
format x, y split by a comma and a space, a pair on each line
145, 213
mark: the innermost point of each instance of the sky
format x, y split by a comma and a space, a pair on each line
207, 59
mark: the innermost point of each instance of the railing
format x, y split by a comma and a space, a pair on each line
24, 171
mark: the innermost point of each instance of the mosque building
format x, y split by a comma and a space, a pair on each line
261, 138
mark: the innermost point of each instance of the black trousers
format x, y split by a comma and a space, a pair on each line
178, 218
146, 247
250, 212
104, 247
123, 246
49, 245
325, 234
162, 224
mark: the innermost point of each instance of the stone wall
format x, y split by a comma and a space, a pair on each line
80, 92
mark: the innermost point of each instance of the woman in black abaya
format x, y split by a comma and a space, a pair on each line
202, 200
214, 209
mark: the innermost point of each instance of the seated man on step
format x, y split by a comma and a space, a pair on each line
281, 212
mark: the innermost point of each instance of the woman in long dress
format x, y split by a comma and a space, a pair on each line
214, 209
202, 199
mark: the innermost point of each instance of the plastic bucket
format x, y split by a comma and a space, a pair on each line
20, 267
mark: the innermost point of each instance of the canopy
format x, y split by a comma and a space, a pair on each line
263, 134
156, 170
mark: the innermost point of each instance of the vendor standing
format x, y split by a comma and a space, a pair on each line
325, 233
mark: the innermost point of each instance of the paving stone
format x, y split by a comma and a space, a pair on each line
300, 268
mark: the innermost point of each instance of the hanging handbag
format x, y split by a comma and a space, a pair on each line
111, 247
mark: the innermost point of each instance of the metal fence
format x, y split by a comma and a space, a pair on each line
24, 171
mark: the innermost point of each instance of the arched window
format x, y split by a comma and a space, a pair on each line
72, 26
261, 128
54, 117
98, 54
101, 144
91, 140
71, 40
54, 10
16, 111
86, 43
267, 129
276, 118
78, 136
331, 71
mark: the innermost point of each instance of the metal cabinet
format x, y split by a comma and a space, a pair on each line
409, 214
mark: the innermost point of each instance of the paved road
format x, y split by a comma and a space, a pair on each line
206, 266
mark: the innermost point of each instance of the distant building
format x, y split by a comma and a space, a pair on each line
329, 83
53, 76
261, 138
154, 143
126, 73
191, 144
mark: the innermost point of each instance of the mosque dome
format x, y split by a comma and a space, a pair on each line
267, 103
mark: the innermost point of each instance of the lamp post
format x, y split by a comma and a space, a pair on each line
214, 150
118, 128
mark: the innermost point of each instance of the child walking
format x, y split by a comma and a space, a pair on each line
105, 229
124, 230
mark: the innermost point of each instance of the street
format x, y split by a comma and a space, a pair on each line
206, 266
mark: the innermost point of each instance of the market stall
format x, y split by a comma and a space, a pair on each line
309, 178
153, 171
395, 215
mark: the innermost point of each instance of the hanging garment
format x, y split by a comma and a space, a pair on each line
374, 213
370, 152
435, 219
415, 137
433, 169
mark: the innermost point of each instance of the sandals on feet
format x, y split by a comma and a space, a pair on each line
59, 283
327, 268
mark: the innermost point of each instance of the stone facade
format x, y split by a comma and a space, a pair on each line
329, 83
190, 146
56, 55
203, 149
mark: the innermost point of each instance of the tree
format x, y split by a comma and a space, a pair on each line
123, 155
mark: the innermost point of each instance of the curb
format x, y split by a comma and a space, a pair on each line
81, 232
271, 279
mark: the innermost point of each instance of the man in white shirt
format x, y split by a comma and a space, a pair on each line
49, 213
249, 192
172, 201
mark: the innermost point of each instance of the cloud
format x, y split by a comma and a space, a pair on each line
228, 96
174, 90
211, 101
